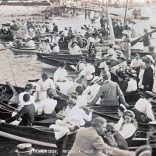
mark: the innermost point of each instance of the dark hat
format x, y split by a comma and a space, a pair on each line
151, 48
45, 75
29, 86
71, 102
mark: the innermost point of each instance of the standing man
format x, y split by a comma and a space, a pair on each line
146, 40
148, 76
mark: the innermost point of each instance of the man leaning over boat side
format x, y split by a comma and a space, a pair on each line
89, 142
110, 91
27, 113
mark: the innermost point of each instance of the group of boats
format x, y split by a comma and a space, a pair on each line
40, 134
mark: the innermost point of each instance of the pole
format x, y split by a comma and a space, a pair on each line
125, 20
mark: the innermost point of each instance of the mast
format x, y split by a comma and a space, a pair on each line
111, 35
125, 18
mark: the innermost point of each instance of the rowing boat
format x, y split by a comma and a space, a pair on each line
22, 49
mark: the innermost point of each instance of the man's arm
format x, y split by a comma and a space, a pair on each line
100, 145
121, 96
97, 96
17, 116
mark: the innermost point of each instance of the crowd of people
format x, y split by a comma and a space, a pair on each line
105, 85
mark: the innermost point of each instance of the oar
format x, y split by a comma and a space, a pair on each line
15, 93
4, 49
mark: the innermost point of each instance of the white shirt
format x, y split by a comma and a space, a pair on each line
75, 50
60, 75
128, 130
142, 105
77, 115
56, 49
48, 105
22, 103
132, 85
136, 63
91, 91
81, 100
31, 43
42, 87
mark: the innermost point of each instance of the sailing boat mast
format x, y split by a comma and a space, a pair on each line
111, 30
125, 18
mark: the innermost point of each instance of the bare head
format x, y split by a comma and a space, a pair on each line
99, 124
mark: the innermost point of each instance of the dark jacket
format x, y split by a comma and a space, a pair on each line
148, 78
146, 40
27, 113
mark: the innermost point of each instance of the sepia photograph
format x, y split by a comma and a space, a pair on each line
77, 77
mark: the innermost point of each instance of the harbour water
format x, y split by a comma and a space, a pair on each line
18, 68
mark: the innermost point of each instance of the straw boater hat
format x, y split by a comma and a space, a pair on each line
103, 65
129, 113
149, 57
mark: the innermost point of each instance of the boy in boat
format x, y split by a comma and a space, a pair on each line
27, 113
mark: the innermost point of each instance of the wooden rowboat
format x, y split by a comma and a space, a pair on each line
22, 49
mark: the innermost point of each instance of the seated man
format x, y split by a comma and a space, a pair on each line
143, 108
27, 113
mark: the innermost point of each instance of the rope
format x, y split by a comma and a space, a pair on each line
10, 68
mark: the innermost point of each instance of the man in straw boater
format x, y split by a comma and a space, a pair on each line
89, 142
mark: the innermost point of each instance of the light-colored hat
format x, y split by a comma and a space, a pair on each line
103, 65
129, 113
150, 58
